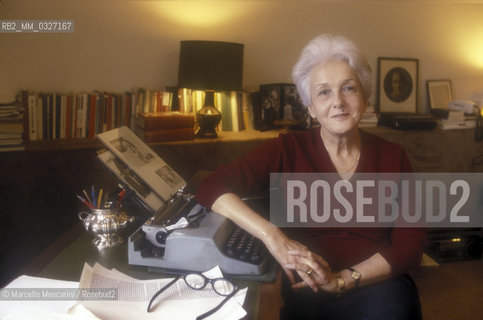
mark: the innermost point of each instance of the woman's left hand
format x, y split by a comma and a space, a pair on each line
314, 267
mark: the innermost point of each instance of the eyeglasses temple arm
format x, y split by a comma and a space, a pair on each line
218, 307
161, 291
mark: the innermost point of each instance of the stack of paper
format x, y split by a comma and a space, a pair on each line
369, 118
11, 126
455, 120
178, 302
27, 298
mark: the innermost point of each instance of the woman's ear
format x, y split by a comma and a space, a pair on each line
311, 111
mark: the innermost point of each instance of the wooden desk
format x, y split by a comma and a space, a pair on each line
65, 258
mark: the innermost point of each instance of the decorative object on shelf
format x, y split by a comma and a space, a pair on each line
280, 105
208, 117
211, 66
397, 85
440, 94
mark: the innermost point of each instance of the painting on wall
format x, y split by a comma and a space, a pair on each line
397, 85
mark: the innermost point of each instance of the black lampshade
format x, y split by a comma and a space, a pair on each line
211, 65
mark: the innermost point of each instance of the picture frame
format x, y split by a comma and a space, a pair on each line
440, 94
397, 85
280, 105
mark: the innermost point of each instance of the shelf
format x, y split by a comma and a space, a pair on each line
70, 144
63, 144
437, 135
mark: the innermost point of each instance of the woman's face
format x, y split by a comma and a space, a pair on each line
336, 97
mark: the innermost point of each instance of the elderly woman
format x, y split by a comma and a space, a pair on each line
336, 273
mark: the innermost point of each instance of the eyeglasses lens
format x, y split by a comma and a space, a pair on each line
223, 287
195, 281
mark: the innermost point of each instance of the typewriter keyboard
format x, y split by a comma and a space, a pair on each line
244, 247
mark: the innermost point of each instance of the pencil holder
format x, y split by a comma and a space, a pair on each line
105, 225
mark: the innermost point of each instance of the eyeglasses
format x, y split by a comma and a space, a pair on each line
198, 281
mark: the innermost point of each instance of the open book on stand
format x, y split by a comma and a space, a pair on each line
139, 168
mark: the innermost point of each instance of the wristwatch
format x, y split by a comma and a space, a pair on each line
356, 275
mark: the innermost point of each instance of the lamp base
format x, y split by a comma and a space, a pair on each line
207, 133
208, 118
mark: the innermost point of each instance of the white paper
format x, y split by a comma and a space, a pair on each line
38, 307
178, 302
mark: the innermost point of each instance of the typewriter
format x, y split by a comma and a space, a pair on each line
181, 234
186, 236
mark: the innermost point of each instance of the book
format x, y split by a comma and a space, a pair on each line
9, 148
165, 134
11, 127
164, 120
142, 161
224, 106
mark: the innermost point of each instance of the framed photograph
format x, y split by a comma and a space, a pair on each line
280, 104
397, 85
440, 93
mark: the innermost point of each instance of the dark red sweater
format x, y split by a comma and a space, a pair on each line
305, 152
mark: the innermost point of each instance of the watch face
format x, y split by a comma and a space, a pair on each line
356, 275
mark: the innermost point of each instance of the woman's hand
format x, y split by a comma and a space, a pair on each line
291, 255
295, 257
314, 271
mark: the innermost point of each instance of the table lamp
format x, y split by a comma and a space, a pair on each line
210, 66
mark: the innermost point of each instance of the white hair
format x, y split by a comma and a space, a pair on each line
326, 48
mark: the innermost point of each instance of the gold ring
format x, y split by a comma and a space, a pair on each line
309, 271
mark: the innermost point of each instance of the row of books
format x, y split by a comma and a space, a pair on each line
53, 116
67, 116
11, 126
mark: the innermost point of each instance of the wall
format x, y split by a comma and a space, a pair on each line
122, 44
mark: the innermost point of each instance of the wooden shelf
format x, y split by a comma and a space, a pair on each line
63, 144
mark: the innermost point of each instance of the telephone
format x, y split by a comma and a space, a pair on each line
468, 107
